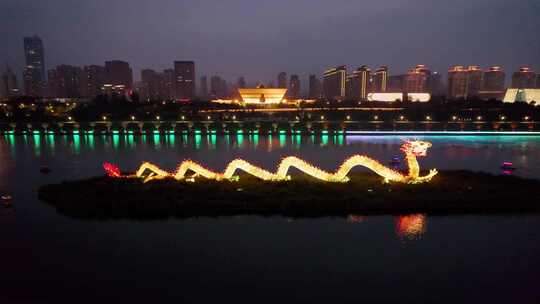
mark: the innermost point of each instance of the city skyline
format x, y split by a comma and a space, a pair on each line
206, 35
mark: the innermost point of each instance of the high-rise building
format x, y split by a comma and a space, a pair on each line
168, 83
457, 82
203, 87
465, 82
475, 79
282, 80
241, 83
358, 85
294, 87
524, 78
184, 72
8, 84
119, 74
34, 70
416, 80
152, 85
65, 81
494, 79
314, 87
334, 83
380, 79
92, 80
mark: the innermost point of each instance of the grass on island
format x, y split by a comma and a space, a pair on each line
449, 192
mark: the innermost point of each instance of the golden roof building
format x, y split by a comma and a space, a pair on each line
262, 95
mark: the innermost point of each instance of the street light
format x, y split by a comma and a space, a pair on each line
132, 117
104, 117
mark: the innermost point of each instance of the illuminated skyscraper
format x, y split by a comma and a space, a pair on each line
380, 79
282, 80
314, 87
184, 76
416, 80
34, 71
525, 78
358, 84
465, 82
475, 79
494, 79
294, 87
457, 82
334, 83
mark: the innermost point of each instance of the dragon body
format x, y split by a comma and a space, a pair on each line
411, 149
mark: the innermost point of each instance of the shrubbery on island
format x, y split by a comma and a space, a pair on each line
450, 192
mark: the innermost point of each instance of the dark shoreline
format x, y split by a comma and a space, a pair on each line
451, 192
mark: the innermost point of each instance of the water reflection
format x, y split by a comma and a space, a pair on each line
411, 227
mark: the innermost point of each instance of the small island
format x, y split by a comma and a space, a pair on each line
450, 192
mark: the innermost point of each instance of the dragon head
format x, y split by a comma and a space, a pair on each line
415, 147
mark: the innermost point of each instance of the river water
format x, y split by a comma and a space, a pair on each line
416, 258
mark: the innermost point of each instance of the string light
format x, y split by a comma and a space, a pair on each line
412, 150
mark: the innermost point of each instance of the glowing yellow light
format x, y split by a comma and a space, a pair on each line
208, 117
526, 118
479, 118
376, 117
348, 117
401, 117
234, 117
157, 117
454, 117
183, 117
412, 149
428, 117
322, 117
132, 117
503, 117
70, 118
104, 117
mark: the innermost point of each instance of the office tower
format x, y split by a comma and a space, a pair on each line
8, 83
380, 80
92, 80
457, 82
314, 87
282, 80
475, 79
524, 78
334, 83
34, 70
494, 79
294, 87
416, 79
203, 87
184, 74
358, 85
241, 83
65, 81
119, 74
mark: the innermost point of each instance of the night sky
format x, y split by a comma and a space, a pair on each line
259, 38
